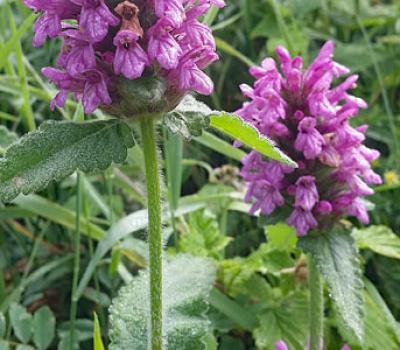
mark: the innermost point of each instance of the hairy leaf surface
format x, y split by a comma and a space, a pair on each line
187, 284
337, 259
57, 149
236, 128
287, 320
189, 118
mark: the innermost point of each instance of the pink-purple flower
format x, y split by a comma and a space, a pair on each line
308, 116
106, 39
281, 345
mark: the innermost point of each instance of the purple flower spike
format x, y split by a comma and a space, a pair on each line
309, 118
162, 40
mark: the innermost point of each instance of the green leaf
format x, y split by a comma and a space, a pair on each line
378, 300
3, 325
187, 284
239, 130
281, 236
121, 229
44, 324
288, 321
235, 312
218, 145
57, 149
24, 347
4, 345
337, 259
6, 137
58, 214
9, 46
21, 322
97, 341
189, 118
229, 49
202, 237
389, 280
380, 239
380, 331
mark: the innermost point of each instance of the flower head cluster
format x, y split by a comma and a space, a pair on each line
108, 39
309, 119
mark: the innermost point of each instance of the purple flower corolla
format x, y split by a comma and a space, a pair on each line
281, 345
309, 140
118, 40
130, 59
308, 117
306, 193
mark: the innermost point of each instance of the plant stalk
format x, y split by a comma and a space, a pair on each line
154, 230
77, 257
316, 306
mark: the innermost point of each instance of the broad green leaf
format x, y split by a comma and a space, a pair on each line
57, 149
97, 341
380, 302
21, 322
24, 347
6, 137
4, 345
239, 130
287, 320
337, 259
389, 280
379, 331
189, 118
203, 237
379, 239
281, 236
3, 325
44, 324
187, 284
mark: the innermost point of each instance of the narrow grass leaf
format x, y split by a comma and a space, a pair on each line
97, 341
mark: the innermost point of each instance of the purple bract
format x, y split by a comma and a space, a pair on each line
107, 39
308, 118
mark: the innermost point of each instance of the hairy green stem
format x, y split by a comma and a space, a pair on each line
154, 231
316, 306
77, 257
